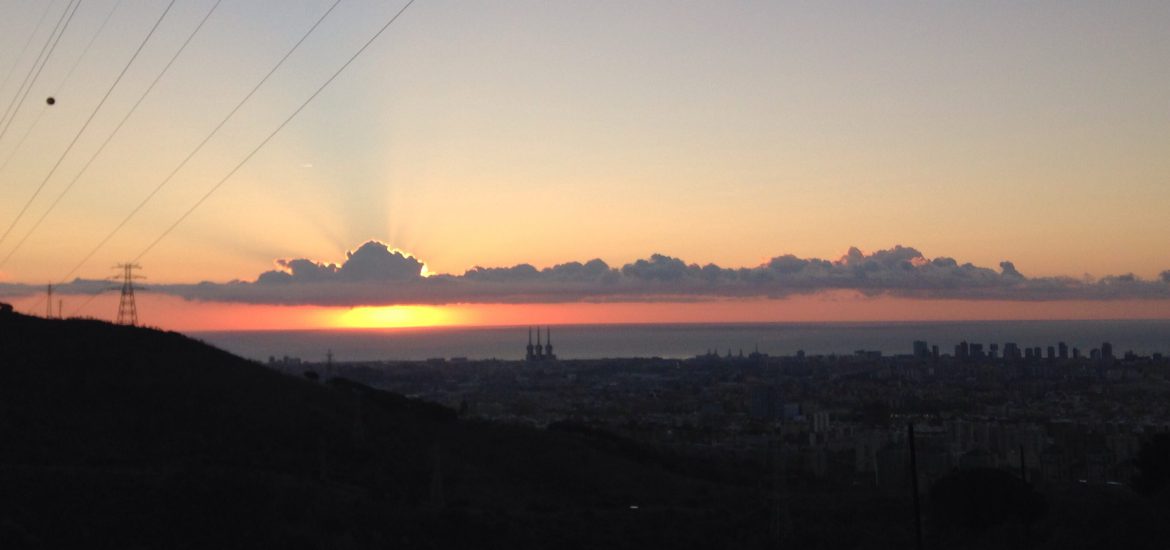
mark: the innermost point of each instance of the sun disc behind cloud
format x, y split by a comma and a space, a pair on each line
395, 317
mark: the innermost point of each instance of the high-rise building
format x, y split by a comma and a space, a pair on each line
1062, 350
962, 350
921, 349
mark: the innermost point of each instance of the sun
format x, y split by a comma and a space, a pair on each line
394, 317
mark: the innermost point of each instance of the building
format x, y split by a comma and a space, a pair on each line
921, 349
962, 350
540, 352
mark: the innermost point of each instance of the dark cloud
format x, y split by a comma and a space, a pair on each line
375, 274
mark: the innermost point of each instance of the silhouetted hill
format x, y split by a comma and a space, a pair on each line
125, 437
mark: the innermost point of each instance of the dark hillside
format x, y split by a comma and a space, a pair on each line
123, 437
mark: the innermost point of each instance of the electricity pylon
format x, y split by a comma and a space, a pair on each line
127, 309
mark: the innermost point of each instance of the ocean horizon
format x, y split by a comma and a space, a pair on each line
686, 340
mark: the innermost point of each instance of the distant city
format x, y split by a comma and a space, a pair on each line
1053, 411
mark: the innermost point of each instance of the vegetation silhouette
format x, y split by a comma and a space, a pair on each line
1153, 467
127, 437
967, 504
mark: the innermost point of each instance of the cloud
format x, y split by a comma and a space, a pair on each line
371, 262
375, 274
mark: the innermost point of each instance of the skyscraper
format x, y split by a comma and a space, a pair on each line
921, 349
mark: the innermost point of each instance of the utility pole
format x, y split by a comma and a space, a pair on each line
1027, 521
127, 309
49, 303
914, 485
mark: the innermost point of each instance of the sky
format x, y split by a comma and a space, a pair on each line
497, 134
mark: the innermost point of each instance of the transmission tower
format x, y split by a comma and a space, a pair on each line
127, 310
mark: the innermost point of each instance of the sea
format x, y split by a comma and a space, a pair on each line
1144, 337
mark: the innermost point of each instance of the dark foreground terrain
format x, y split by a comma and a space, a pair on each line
123, 437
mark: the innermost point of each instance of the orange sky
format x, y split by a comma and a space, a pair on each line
546, 132
499, 133
177, 314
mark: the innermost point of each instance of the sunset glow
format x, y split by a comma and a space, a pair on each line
396, 317
709, 135
176, 314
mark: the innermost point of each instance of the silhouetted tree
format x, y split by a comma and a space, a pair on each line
972, 501
312, 375
1153, 466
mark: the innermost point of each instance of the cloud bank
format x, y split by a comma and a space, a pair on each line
375, 274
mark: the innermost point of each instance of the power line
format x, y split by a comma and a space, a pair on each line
77, 136
110, 137
215, 187
27, 43
207, 195
199, 147
36, 61
88, 46
35, 70
248, 157
23, 138
60, 86
80, 307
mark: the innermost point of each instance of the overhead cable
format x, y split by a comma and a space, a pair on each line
111, 135
261, 145
199, 147
216, 187
41, 113
27, 43
80, 131
34, 71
